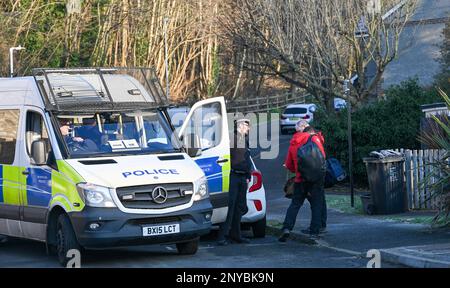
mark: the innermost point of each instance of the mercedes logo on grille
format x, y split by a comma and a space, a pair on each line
159, 195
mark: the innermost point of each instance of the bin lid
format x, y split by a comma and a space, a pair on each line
384, 160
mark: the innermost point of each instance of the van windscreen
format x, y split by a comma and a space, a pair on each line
114, 133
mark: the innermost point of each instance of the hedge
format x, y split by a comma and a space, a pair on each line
386, 124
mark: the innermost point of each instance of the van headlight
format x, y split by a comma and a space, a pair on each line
95, 196
201, 191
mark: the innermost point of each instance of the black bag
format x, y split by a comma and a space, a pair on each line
289, 188
311, 163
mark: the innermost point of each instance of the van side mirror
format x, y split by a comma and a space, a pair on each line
39, 152
192, 144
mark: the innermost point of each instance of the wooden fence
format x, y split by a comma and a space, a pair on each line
416, 169
267, 103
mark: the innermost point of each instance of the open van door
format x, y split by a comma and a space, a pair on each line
205, 134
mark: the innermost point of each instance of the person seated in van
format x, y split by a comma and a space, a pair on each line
90, 130
75, 144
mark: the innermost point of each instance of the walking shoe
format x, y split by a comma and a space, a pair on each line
223, 242
241, 240
314, 236
284, 236
310, 234
321, 231
306, 231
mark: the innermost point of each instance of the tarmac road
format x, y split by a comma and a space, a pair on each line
260, 253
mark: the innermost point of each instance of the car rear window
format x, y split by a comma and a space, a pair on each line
296, 110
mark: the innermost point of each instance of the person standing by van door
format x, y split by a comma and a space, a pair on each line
239, 178
302, 189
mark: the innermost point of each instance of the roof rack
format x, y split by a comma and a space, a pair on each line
99, 89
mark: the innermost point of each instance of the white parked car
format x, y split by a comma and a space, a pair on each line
339, 104
256, 204
293, 113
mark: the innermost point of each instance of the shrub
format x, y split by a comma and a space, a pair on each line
440, 189
388, 124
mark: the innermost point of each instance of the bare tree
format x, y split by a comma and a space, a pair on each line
316, 44
117, 33
131, 34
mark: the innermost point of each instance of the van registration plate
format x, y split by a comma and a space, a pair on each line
161, 230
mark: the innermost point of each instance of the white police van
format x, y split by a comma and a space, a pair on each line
89, 159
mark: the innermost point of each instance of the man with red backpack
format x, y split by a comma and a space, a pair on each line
306, 158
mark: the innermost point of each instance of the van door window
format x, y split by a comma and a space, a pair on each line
9, 121
208, 120
210, 129
35, 131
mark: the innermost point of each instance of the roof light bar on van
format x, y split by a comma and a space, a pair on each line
134, 92
65, 94
74, 70
96, 88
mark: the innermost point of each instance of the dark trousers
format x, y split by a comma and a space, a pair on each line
315, 194
237, 207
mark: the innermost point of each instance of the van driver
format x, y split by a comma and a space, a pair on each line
75, 144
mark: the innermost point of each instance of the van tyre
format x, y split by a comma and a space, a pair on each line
188, 248
259, 228
65, 239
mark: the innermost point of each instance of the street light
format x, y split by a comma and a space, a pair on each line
362, 32
166, 56
349, 137
11, 58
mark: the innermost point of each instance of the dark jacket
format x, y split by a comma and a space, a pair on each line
299, 139
91, 132
240, 155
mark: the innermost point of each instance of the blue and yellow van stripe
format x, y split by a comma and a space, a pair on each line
13, 179
43, 187
64, 189
38, 187
226, 169
218, 176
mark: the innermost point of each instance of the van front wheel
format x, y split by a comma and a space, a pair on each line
65, 239
188, 248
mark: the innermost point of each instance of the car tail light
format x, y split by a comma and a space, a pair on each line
258, 205
283, 117
306, 117
256, 181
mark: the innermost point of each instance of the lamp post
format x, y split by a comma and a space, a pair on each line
361, 32
11, 59
166, 56
350, 141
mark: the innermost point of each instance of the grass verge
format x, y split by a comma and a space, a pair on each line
343, 203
